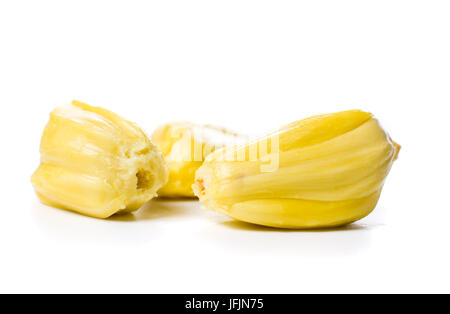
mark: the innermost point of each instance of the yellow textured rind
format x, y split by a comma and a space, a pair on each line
96, 163
331, 172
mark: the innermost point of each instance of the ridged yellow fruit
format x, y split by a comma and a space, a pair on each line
324, 171
185, 146
96, 163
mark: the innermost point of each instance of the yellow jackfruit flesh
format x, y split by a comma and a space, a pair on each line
185, 146
324, 171
96, 163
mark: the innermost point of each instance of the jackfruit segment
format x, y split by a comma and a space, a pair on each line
185, 146
96, 163
326, 171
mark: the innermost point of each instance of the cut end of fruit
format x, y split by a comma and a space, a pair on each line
145, 179
200, 186
398, 147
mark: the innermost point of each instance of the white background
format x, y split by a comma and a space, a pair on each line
251, 66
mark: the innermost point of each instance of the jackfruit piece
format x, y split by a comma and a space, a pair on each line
96, 163
324, 171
